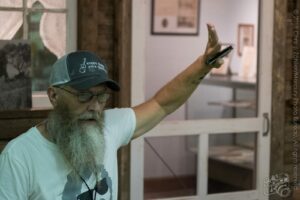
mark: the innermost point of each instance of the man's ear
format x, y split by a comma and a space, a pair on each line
52, 95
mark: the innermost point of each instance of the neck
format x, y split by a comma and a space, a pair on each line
42, 127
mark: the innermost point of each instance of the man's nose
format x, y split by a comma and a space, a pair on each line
95, 105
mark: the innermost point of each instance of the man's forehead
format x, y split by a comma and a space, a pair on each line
94, 89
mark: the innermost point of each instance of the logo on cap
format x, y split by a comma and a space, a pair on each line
91, 66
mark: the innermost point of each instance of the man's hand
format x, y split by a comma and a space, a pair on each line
213, 46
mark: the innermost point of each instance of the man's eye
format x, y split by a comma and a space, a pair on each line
85, 96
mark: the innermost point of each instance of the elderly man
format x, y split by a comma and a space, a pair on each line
73, 154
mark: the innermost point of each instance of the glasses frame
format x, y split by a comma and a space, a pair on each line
87, 96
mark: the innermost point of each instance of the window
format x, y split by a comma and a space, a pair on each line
45, 24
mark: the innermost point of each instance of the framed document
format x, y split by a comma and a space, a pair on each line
175, 17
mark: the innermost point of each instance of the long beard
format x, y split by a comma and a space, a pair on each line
83, 146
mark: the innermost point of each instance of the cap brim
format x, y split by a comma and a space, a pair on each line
89, 82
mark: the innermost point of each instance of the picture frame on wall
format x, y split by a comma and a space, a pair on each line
175, 17
15, 80
245, 37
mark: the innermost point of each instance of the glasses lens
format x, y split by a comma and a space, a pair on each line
84, 97
103, 97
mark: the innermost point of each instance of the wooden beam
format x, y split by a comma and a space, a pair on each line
278, 88
122, 62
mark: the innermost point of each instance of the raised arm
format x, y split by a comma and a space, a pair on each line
178, 90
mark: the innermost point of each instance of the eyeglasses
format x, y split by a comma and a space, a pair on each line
84, 97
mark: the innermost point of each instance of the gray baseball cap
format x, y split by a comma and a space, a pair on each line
81, 70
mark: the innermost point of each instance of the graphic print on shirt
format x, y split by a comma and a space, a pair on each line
103, 187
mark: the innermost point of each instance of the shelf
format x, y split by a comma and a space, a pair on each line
234, 104
233, 81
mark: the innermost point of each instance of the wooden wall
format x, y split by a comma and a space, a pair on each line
285, 148
104, 27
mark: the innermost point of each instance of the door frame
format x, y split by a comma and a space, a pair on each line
206, 127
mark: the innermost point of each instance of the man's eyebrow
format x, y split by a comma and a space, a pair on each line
98, 92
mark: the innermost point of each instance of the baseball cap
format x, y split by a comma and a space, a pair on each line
81, 70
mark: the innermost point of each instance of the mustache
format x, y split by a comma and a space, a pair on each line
89, 116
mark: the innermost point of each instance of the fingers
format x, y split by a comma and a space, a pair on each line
212, 35
213, 45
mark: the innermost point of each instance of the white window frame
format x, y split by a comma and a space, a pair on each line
206, 127
40, 98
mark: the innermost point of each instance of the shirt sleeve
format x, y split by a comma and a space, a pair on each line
13, 179
120, 124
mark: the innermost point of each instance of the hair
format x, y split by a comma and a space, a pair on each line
83, 146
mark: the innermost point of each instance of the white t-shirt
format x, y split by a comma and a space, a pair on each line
31, 167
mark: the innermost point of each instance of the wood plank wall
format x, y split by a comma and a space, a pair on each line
15, 122
285, 126
105, 28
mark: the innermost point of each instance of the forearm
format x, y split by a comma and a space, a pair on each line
179, 89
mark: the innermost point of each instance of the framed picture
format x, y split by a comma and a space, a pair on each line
245, 37
175, 17
15, 81
224, 68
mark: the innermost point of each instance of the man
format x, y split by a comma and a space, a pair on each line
73, 154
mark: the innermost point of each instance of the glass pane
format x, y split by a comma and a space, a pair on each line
221, 101
232, 162
11, 3
11, 25
49, 4
47, 45
170, 167
229, 92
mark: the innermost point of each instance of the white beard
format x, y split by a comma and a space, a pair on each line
83, 146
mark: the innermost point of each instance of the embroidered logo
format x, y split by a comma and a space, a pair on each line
91, 66
82, 68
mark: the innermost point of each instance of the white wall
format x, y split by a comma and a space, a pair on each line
166, 56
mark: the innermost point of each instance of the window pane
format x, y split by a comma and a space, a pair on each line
45, 47
11, 3
225, 97
170, 167
49, 4
47, 33
227, 92
231, 163
11, 23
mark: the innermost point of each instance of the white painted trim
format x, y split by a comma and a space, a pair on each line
40, 100
202, 165
216, 126
265, 56
137, 169
246, 195
180, 198
138, 95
